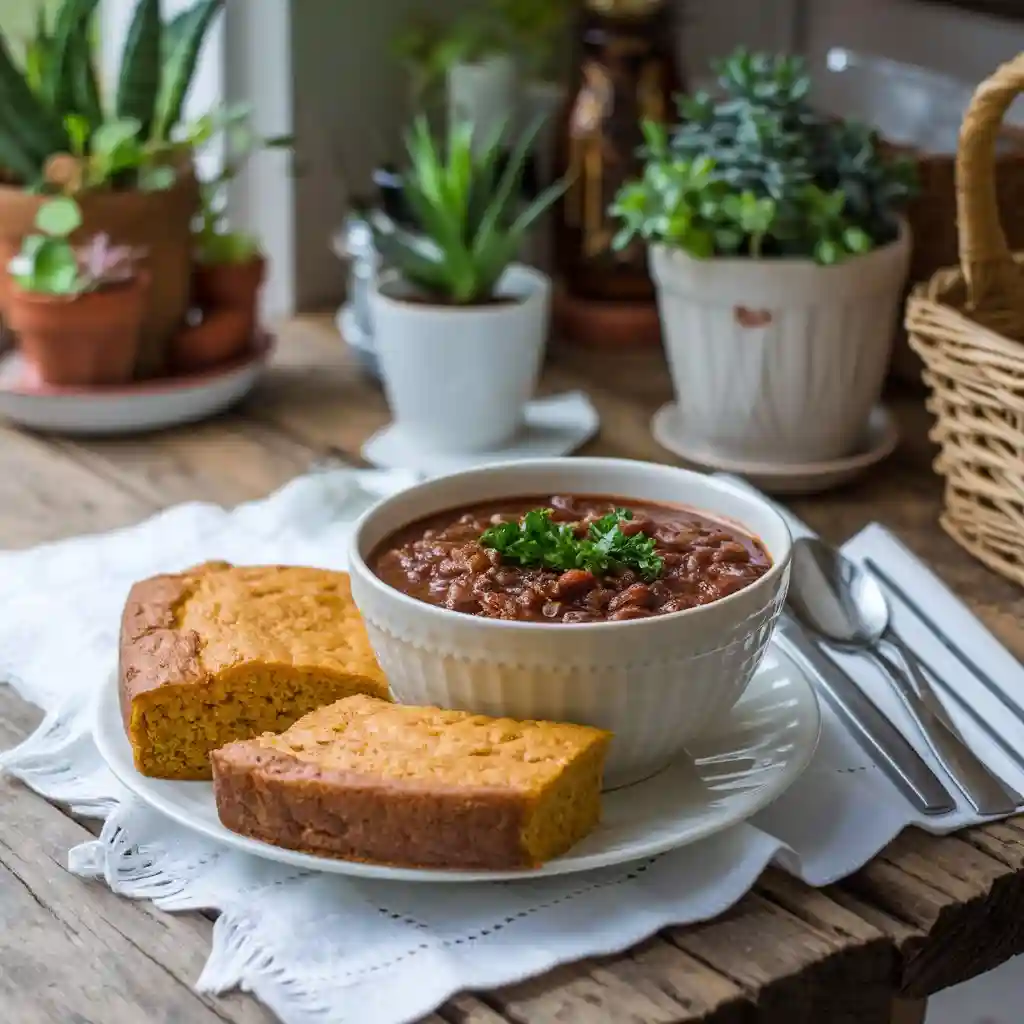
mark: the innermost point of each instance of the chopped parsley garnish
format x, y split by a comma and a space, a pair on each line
535, 541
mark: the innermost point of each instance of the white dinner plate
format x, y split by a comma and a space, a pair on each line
748, 760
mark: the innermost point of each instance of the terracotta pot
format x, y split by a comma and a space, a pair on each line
222, 335
88, 340
234, 286
161, 222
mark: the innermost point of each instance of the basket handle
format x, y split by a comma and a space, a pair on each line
993, 279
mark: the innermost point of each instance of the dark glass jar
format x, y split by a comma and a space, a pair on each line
626, 71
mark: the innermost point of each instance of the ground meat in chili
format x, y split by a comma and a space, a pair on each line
440, 560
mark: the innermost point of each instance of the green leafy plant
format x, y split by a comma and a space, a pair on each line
471, 225
537, 541
53, 105
49, 264
112, 154
758, 172
215, 242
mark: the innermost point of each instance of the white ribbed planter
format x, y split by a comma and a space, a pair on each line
778, 360
457, 377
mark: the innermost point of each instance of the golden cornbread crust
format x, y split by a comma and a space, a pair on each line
222, 652
365, 780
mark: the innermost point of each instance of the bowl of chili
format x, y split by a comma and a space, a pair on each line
635, 597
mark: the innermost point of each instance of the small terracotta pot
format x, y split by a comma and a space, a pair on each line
222, 335
228, 285
159, 221
89, 340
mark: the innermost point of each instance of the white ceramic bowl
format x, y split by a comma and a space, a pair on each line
655, 683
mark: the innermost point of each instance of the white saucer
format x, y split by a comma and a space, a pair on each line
552, 426
130, 408
750, 759
777, 477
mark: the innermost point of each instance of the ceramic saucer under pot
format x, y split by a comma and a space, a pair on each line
879, 442
129, 408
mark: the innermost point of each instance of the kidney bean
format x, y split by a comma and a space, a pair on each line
731, 551
579, 617
638, 594
631, 611
573, 583
631, 527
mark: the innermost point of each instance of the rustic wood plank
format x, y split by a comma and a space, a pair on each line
466, 1009
900, 932
226, 461
71, 947
701, 991
46, 494
588, 993
800, 973
1003, 842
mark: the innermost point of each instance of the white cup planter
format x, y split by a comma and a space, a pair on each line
457, 377
778, 360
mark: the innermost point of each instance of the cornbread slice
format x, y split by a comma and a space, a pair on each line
222, 653
366, 780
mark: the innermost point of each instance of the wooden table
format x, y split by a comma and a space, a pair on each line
925, 914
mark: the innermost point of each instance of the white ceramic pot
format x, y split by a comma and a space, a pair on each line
457, 377
656, 683
485, 94
778, 360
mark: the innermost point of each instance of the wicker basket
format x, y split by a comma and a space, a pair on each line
933, 222
967, 325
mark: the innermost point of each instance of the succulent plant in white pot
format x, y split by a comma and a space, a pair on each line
460, 327
779, 255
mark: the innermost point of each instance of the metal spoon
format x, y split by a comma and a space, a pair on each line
844, 605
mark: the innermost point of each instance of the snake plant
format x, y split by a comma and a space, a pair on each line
467, 209
52, 101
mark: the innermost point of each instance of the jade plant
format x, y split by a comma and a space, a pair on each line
466, 203
54, 107
48, 264
758, 172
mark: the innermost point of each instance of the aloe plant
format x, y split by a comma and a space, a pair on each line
471, 227
48, 98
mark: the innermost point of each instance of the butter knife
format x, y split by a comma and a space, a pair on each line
875, 734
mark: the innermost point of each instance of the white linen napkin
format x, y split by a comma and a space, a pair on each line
324, 949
